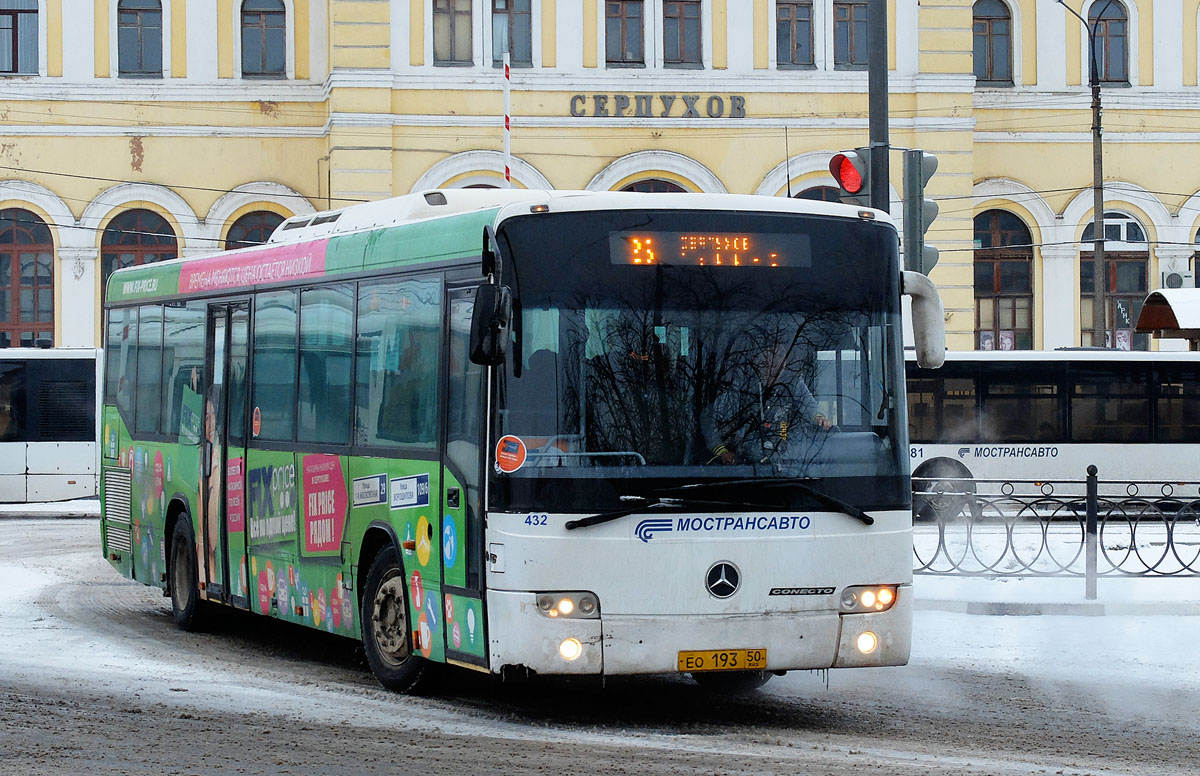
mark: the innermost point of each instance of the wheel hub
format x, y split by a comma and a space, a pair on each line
388, 618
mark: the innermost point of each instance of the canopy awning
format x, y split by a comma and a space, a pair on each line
1171, 312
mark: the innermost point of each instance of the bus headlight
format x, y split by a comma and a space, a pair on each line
866, 642
574, 605
862, 599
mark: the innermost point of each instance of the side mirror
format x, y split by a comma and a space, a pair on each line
928, 319
490, 321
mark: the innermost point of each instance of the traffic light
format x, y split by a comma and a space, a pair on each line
852, 171
919, 212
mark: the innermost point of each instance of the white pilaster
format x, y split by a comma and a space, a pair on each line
1060, 296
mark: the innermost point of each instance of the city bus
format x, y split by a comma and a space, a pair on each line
530, 432
1045, 416
48, 400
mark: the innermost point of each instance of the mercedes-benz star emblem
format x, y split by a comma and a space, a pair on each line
722, 579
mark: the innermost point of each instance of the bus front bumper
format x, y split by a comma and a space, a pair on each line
615, 644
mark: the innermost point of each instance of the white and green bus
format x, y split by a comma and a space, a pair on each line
562, 433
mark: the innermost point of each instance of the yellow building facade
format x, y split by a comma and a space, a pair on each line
136, 130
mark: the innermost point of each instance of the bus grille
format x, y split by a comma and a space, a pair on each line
117, 497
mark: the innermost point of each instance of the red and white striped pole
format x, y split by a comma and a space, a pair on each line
507, 122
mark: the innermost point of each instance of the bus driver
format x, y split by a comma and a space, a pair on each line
765, 399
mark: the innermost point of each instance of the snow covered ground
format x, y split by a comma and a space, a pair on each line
94, 678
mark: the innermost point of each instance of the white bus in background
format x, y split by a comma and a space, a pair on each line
1045, 416
48, 400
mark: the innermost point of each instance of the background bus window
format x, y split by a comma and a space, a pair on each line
149, 370
326, 333
183, 369
1178, 410
399, 335
1110, 405
274, 391
1023, 404
942, 407
12, 402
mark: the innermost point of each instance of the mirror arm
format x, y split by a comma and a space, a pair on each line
928, 319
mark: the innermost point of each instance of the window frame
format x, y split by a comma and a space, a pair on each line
685, 60
164, 40
1103, 37
845, 60
264, 32
626, 60
1002, 252
41, 244
511, 21
989, 76
793, 21
15, 14
451, 12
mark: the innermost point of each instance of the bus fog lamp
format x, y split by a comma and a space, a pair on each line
863, 599
866, 642
571, 649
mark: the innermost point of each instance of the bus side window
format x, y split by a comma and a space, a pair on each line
399, 336
326, 329
12, 402
183, 369
149, 370
274, 370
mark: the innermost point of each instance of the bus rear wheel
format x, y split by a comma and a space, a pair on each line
188, 611
386, 629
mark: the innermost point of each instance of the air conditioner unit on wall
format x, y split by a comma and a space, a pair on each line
1173, 279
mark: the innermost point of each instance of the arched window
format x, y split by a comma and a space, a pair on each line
821, 194
252, 229
139, 39
1003, 282
655, 186
19, 37
26, 279
1110, 22
1127, 277
993, 43
135, 237
264, 39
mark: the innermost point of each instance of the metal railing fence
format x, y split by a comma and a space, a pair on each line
1080, 528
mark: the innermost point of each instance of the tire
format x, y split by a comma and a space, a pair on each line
189, 612
732, 682
386, 626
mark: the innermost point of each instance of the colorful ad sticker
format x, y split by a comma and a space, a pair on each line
510, 454
268, 265
410, 492
324, 503
235, 486
272, 503
369, 490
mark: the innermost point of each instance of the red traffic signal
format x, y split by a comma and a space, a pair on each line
849, 169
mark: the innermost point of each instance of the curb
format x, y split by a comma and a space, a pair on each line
1076, 609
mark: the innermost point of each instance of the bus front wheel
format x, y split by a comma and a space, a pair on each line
386, 629
187, 609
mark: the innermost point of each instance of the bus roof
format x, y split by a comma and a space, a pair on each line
411, 230
34, 354
436, 203
1073, 354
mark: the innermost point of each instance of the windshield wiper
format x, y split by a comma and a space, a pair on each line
654, 503
824, 499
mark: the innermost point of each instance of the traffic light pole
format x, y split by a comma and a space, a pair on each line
1099, 269
877, 103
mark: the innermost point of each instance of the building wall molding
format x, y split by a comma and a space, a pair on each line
480, 161
650, 162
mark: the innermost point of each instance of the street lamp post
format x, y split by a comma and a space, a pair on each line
1099, 275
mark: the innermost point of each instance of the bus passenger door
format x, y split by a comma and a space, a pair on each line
223, 457
462, 490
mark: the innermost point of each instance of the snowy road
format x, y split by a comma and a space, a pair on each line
95, 679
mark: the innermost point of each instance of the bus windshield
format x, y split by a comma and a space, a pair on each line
655, 349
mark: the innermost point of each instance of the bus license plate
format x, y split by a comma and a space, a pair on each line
723, 660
